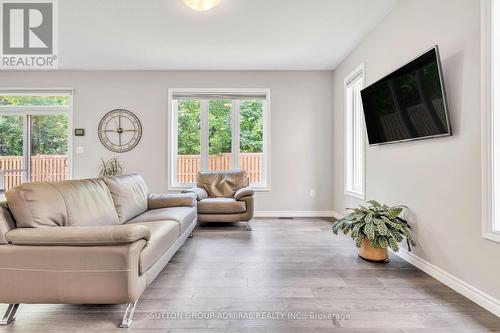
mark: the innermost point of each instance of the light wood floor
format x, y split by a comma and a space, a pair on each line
292, 267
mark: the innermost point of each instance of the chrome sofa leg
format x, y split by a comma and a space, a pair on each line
248, 226
128, 315
191, 235
10, 314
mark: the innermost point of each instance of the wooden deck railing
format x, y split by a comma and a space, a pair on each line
43, 168
55, 167
188, 166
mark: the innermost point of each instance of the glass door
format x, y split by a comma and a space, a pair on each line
48, 151
12, 161
34, 137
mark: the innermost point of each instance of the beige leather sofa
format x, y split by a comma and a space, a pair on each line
91, 241
224, 196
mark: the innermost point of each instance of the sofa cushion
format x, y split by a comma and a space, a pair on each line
83, 202
221, 206
163, 236
130, 195
184, 216
157, 201
222, 184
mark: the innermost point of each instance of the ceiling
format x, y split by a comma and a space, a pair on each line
238, 34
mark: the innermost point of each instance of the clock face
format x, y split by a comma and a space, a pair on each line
120, 130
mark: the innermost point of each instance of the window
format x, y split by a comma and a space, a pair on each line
354, 135
219, 129
491, 120
35, 140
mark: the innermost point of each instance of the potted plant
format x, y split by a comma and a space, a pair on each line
375, 228
111, 167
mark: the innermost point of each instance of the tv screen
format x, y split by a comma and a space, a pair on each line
408, 104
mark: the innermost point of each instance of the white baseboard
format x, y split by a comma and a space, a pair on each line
305, 213
477, 296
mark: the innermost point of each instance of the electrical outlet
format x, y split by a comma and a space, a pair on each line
312, 193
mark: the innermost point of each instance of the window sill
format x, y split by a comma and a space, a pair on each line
356, 195
492, 236
178, 188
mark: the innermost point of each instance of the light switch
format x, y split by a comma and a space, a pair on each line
79, 149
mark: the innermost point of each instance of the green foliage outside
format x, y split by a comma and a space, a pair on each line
219, 127
11, 136
188, 121
219, 114
251, 126
34, 100
48, 133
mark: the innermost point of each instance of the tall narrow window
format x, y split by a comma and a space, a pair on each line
188, 140
34, 136
219, 134
490, 119
252, 139
217, 129
354, 135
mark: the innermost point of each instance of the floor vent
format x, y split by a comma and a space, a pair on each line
285, 218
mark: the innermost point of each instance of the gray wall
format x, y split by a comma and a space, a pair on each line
438, 179
301, 125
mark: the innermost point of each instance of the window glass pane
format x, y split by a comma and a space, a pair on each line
219, 134
354, 139
11, 152
188, 141
252, 139
49, 148
34, 100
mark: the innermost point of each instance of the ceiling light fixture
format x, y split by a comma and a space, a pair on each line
201, 5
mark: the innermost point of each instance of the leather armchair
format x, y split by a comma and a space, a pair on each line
224, 196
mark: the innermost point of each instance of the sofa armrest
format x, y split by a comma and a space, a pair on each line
243, 192
156, 201
86, 236
200, 192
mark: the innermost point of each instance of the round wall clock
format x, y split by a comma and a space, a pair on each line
120, 130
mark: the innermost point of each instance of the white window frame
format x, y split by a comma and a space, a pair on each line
490, 86
173, 185
29, 110
354, 130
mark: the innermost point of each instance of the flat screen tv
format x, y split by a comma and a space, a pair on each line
408, 104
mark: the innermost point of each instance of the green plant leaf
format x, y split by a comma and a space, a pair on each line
375, 203
394, 212
359, 240
382, 229
382, 241
394, 245
369, 217
369, 230
398, 237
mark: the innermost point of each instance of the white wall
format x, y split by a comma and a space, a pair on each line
438, 179
301, 124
